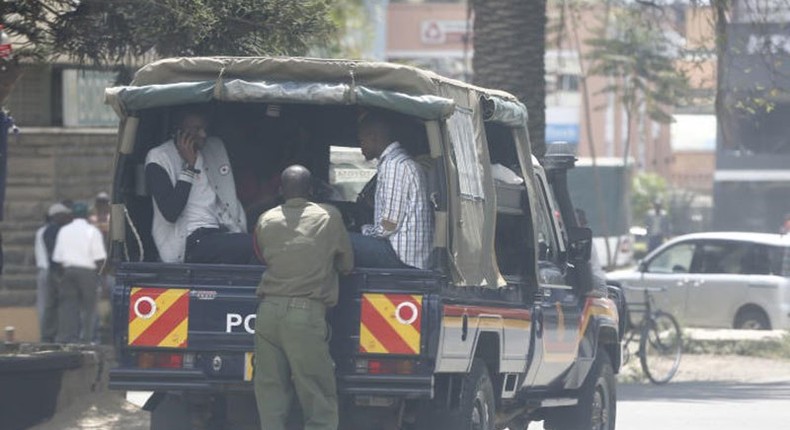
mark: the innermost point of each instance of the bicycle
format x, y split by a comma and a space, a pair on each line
660, 341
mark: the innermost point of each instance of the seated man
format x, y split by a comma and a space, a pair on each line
197, 216
402, 231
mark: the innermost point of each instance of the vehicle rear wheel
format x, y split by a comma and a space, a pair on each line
752, 319
475, 408
597, 407
660, 347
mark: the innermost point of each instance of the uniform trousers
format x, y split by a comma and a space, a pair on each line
292, 361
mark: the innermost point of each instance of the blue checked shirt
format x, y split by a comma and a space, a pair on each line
402, 213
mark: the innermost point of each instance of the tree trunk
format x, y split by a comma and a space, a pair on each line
509, 49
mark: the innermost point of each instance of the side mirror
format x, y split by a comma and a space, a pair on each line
580, 246
642, 266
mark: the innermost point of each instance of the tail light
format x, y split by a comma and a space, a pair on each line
160, 360
385, 366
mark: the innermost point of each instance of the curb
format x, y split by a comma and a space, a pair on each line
758, 343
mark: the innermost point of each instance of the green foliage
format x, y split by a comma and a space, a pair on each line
116, 31
641, 60
646, 188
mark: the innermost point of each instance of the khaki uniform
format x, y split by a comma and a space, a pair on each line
304, 245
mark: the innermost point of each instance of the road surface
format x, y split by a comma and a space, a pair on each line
709, 392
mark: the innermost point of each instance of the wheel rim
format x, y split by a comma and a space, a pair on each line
660, 348
480, 413
600, 406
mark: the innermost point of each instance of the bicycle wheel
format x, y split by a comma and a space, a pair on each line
660, 347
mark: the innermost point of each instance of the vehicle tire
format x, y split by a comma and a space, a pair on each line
752, 319
597, 407
660, 347
475, 408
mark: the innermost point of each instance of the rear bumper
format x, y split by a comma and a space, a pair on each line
165, 380
401, 386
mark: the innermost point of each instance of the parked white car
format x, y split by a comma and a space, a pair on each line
717, 279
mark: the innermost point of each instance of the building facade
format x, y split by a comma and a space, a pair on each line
752, 178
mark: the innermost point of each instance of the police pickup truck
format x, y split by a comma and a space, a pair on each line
506, 328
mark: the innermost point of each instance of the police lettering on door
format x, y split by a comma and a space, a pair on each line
234, 323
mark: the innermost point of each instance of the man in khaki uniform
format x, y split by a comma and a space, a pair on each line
304, 246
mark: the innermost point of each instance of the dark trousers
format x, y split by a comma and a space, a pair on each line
212, 245
374, 252
77, 305
49, 325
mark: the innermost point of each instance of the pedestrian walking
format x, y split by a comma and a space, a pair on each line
79, 248
59, 215
657, 225
305, 245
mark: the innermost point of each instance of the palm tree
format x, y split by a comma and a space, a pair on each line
509, 46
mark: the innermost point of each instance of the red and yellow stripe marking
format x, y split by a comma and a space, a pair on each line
561, 349
390, 324
158, 317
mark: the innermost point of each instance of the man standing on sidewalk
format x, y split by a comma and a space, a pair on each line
79, 248
304, 245
59, 215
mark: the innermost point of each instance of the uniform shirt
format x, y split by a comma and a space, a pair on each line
402, 214
79, 244
304, 246
42, 257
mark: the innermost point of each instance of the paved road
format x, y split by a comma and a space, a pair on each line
709, 405
708, 393
719, 405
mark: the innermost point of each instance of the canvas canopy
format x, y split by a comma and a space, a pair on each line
455, 111
132, 98
375, 84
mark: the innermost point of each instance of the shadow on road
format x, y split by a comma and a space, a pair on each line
704, 391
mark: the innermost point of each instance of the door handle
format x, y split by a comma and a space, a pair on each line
698, 282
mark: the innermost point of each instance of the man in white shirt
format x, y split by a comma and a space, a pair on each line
79, 249
197, 215
42, 263
402, 231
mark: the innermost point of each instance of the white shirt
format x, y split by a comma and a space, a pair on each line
201, 210
42, 259
402, 202
79, 244
212, 207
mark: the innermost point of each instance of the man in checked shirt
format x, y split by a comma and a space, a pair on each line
402, 231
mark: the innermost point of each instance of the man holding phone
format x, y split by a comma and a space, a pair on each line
197, 216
